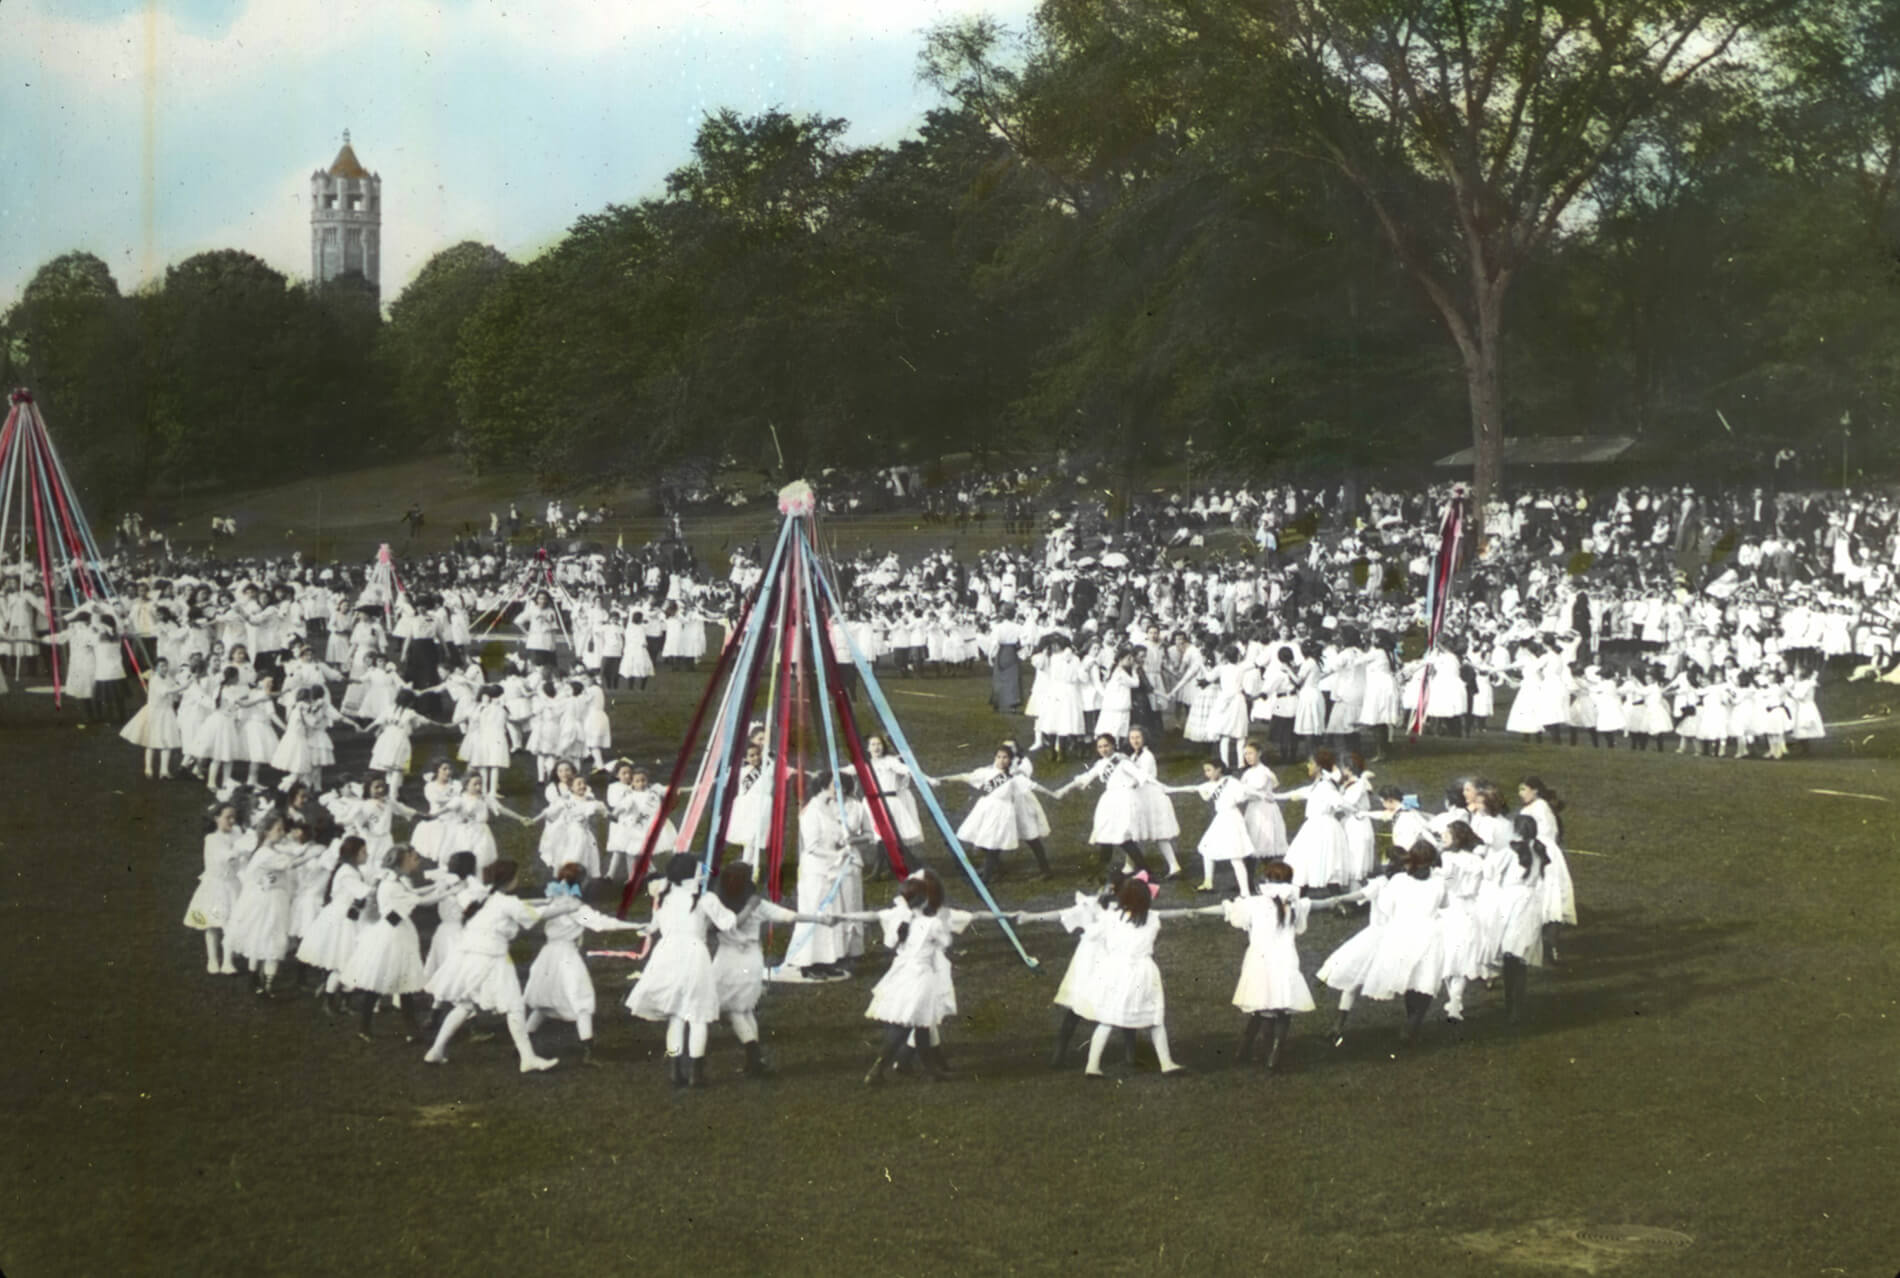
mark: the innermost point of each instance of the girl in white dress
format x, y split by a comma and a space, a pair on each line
305, 749
739, 966
1399, 952
1318, 852
437, 793
226, 848
1158, 823
678, 985
485, 748
1077, 980
155, 728
259, 927
895, 786
393, 751
327, 942
633, 804
992, 824
918, 992
462, 890
597, 734
1513, 922
1124, 983
830, 879
1271, 988
568, 833
1557, 894
1119, 816
559, 985
1265, 824
1226, 840
482, 977
1355, 798
636, 661
465, 822
1118, 698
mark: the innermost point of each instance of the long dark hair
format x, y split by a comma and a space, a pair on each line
1135, 900
735, 885
1527, 845
1537, 787
680, 867
348, 852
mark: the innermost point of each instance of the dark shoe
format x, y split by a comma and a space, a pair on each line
677, 1065
696, 1072
755, 1065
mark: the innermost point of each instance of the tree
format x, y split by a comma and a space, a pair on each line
74, 339
425, 324
1470, 127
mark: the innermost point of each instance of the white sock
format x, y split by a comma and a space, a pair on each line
675, 1036
211, 948
1098, 1043
696, 1039
1167, 854
536, 1019
745, 1027
457, 1017
584, 1025
1455, 996
518, 1031
1160, 1035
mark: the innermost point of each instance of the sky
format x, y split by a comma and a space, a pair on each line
144, 131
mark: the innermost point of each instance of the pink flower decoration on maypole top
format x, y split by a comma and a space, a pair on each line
797, 498
382, 553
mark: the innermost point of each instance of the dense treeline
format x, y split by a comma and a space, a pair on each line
1249, 233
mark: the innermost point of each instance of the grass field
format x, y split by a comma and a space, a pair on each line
1715, 1056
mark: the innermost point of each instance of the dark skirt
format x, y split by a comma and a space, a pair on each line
1006, 680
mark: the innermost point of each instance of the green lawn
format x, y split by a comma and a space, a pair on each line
1715, 1056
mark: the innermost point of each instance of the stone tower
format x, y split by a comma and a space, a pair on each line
346, 220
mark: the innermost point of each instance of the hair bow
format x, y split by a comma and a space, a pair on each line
1154, 889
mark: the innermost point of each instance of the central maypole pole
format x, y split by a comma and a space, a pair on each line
791, 623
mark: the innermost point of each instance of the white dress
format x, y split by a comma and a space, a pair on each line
219, 884
1270, 979
558, 981
739, 966
1226, 837
900, 798
1345, 969
1557, 896
1119, 816
632, 814
259, 926
1512, 919
1265, 824
678, 980
918, 989
1078, 982
1124, 983
1318, 852
328, 941
392, 752
992, 822
156, 726
481, 973
830, 878
1410, 952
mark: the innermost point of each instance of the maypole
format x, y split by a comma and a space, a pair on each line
787, 625
64, 549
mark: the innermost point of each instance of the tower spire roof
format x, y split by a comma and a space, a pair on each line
346, 165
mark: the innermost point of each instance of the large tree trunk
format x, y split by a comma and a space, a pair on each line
1484, 382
